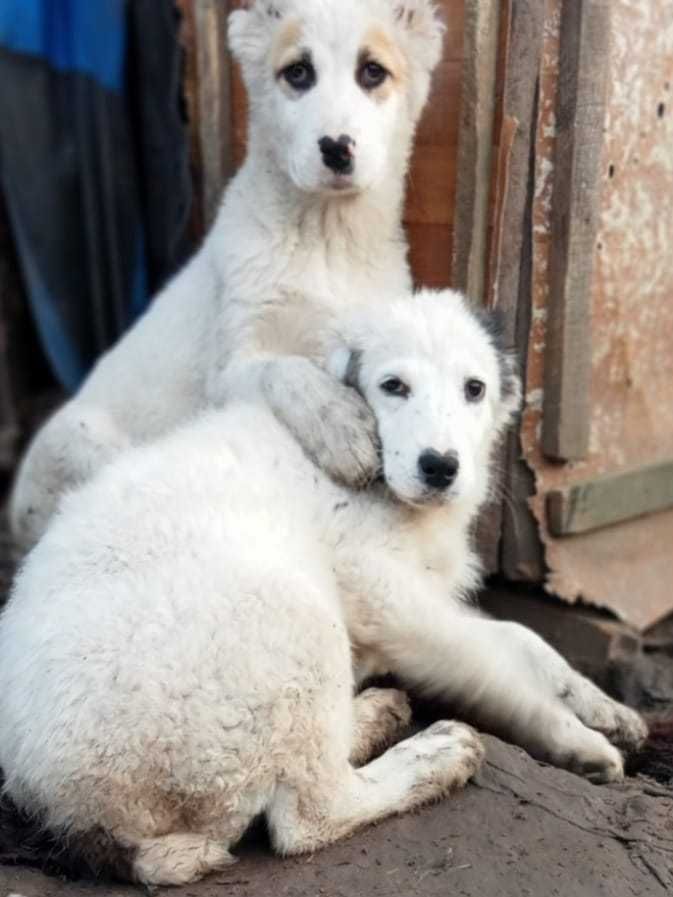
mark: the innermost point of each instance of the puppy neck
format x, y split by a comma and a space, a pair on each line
352, 224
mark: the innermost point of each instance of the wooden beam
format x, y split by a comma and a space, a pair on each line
580, 119
521, 556
475, 147
611, 499
208, 93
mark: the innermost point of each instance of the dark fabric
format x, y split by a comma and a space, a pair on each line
156, 71
93, 165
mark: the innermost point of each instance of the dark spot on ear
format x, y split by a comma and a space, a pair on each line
353, 370
510, 376
340, 505
566, 693
493, 322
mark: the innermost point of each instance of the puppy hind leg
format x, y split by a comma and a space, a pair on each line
338, 800
71, 447
380, 715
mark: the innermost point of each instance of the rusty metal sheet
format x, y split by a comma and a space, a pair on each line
627, 568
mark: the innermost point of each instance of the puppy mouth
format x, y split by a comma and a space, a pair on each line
342, 183
428, 498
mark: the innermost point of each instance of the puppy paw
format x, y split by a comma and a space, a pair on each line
381, 715
585, 752
619, 724
445, 756
347, 448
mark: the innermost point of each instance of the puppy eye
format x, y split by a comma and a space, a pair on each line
395, 387
475, 390
371, 75
300, 75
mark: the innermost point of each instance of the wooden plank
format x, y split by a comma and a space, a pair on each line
607, 500
430, 261
475, 146
431, 191
208, 93
510, 266
580, 119
478, 105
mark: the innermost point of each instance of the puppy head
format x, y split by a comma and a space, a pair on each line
442, 388
336, 86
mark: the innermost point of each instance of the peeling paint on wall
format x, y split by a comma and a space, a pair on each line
627, 568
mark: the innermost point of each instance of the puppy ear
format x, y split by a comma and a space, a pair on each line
493, 322
423, 28
421, 33
249, 28
510, 388
344, 364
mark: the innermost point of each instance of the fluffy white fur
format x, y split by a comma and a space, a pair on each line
180, 649
287, 219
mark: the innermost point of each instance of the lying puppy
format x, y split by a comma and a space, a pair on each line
180, 650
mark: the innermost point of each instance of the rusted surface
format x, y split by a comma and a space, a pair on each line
629, 567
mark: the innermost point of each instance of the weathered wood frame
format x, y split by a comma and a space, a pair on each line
475, 147
580, 119
208, 93
607, 500
493, 235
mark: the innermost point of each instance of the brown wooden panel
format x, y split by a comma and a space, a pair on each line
475, 146
431, 253
583, 67
430, 206
431, 188
208, 94
440, 124
511, 263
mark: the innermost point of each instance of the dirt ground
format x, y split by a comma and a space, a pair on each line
521, 829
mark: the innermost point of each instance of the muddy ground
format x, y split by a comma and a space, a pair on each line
521, 829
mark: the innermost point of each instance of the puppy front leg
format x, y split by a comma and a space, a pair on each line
471, 663
556, 679
330, 421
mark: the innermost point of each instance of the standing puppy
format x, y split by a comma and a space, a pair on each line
336, 88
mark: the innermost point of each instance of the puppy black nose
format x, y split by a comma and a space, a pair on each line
338, 154
438, 471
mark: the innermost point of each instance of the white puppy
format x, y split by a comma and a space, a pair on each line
336, 88
180, 649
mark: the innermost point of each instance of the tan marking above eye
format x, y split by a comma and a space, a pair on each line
287, 45
379, 47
